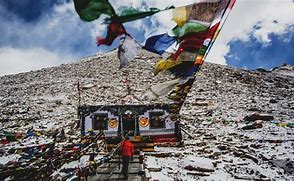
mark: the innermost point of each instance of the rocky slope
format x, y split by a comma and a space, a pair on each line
240, 125
217, 109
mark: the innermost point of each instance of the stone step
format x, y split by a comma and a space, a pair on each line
112, 170
135, 160
115, 177
115, 167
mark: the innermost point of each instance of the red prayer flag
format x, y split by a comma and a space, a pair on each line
115, 29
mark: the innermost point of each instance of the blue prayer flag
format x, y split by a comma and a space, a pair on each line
159, 43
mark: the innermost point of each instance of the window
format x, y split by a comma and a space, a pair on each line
156, 120
100, 121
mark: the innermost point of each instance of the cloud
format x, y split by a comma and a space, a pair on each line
15, 60
176, 3
151, 3
58, 32
252, 18
117, 4
252, 54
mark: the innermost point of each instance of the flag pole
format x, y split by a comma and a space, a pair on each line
79, 94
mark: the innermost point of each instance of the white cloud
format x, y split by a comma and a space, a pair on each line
117, 4
58, 35
14, 60
271, 16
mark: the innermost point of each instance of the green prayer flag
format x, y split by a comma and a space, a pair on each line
189, 27
202, 50
9, 136
130, 14
89, 10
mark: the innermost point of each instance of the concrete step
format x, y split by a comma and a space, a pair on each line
115, 177
114, 167
112, 170
135, 160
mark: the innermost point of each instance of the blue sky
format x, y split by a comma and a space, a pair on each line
37, 34
253, 53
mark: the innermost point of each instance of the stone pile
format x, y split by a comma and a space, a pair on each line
222, 104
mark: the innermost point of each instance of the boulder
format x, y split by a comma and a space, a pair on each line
286, 164
198, 173
200, 164
256, 116
199, 169
202, 103
255, 125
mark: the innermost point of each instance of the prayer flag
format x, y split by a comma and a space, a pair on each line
159, 43
127, 50
89, 10
114, 30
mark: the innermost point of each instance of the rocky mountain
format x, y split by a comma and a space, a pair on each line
238, 121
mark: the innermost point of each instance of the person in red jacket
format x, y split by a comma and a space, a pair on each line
127, 152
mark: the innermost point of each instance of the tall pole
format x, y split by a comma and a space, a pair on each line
79, 93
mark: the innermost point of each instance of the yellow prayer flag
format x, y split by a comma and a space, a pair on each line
199, 60
38, 133
180, 15
163, 64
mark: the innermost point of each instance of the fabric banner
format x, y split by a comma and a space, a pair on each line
165, 87
163, 64
114, 30
185, 45
127, 50
159, 43
89, 10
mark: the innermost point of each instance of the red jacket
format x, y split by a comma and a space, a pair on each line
127, 148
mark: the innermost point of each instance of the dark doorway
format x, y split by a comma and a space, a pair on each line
128, 123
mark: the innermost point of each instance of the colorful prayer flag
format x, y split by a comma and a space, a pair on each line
9, 136
127, 50
163, 64
188, 42
115, 29
89, 10
184, 69
159, 43
165, 87
180, 15
189, 27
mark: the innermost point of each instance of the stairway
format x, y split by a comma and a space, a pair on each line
112, 170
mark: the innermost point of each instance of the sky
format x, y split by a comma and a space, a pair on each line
38, 34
